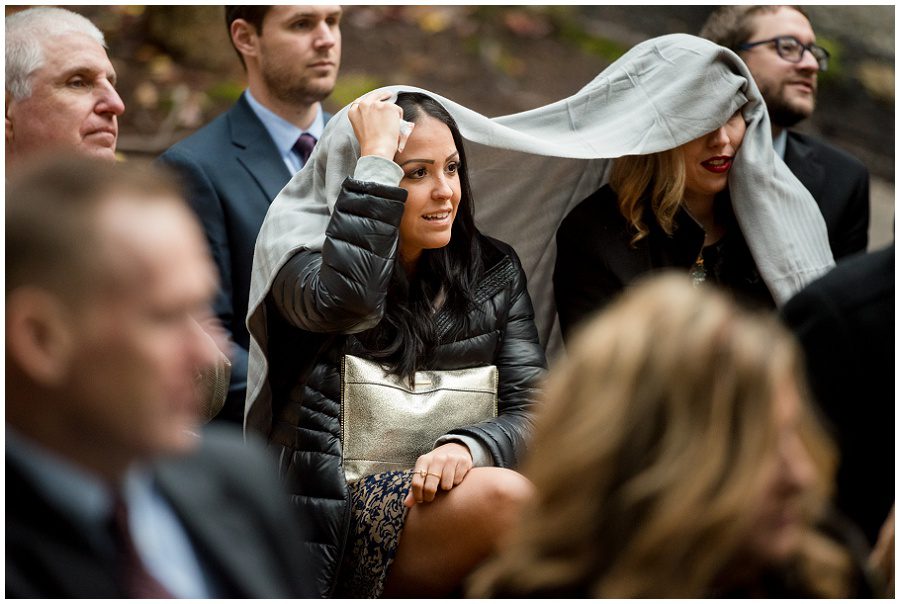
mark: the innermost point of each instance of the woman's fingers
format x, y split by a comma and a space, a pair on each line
448, 477
372, 97
432, 482
417, 485
462, 468
376, 123
410, 500
443, 468
427, 477
425, 480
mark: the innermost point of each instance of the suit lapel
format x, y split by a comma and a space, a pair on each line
221, 533
804, 163
47, 555
256, 151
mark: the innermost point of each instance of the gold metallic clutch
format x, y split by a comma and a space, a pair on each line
387, 425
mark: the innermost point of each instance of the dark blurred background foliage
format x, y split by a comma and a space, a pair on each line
177, 69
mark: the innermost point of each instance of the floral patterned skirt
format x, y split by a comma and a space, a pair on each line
377, 518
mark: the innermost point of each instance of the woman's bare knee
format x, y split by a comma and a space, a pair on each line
500, 495
445, 539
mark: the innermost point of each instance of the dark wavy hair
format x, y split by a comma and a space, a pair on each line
406, 337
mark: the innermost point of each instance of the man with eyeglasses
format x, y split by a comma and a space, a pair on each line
778, 44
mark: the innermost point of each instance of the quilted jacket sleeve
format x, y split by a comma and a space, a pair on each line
521, 362
343, 287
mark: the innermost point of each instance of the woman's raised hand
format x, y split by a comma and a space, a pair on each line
444, 467
376, 122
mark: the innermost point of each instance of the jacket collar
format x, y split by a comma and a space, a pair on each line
803, 161
215, 528
255, 150
682, 247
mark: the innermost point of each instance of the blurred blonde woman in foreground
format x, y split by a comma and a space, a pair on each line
676, 455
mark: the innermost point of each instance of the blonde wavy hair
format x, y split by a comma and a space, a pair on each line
657, 177
649, 452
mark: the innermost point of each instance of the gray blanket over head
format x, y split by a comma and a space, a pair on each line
528, 170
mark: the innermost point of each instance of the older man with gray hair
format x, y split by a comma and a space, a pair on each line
61, 97
60, 86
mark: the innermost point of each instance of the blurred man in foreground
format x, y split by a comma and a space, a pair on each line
111, 490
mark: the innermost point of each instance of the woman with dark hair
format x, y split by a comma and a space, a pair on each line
405, 280
348, 268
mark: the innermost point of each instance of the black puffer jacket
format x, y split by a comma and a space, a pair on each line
319, 298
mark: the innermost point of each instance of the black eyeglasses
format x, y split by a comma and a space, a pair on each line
791, 49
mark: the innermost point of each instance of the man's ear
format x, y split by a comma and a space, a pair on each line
9, 126
245, 38
39, 335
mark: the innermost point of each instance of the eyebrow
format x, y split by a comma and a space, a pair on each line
92, 71
308, 15
429, 161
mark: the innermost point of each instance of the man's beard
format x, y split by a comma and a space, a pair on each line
303, 92
782, 113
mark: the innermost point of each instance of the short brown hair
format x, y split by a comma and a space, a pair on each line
731, 26
52, 209
254, 15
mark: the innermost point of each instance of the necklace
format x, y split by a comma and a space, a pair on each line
698, 271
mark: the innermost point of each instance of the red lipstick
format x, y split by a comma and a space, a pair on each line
719, 164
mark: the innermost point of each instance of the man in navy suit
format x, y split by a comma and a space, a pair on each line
778, 45
113, 488
236, 165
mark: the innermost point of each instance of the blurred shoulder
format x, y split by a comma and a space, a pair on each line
858, 291
223, 451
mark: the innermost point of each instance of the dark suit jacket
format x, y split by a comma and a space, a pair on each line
845, 322
232, 171
237, 516
840, 185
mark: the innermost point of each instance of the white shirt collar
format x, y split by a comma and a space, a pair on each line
284, 133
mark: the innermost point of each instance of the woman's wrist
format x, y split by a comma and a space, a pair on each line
385, 151
377, 169
481, 456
